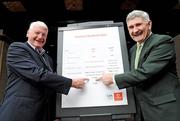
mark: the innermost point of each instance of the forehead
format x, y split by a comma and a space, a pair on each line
135, 20
39, 28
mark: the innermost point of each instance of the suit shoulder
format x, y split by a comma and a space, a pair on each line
17, 44
159, 39
162, 36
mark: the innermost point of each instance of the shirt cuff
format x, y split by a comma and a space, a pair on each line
114, 81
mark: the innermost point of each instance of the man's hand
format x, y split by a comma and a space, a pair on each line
79, 83
106, 78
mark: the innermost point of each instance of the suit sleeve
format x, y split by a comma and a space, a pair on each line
20, 61
156, 61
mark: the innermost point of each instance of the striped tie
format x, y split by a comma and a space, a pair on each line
41, 55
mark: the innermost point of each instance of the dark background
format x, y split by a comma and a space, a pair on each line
165, 15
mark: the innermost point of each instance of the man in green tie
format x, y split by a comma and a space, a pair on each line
152, 72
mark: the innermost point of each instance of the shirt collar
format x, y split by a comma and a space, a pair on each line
41, 51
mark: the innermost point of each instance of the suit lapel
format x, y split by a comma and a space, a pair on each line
38, 58
143, 52
145, 49
133, 55
45, 60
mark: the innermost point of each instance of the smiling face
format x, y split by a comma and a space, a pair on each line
37, 35
139, 29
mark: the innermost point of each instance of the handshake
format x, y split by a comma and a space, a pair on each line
106, 78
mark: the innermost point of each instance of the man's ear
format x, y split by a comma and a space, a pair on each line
27, 33
150, 24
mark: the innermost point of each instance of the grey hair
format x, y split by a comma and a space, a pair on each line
38, 23
138, 13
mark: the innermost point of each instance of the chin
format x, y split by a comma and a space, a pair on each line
138, 39
37, 46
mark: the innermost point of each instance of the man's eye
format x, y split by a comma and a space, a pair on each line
130, 27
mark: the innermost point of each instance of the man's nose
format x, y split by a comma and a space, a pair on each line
40, 35
135, 29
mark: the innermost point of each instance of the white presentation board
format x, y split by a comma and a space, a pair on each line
89, 51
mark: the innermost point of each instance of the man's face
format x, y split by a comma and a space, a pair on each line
139, 29
37, 36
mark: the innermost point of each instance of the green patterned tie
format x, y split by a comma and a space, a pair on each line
138, 52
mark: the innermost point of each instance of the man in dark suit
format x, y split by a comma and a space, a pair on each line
31, 80
152, 72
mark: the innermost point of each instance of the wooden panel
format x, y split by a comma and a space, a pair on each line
3, 70
74, 5
177, 48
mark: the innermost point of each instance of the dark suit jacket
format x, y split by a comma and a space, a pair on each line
155, 81
30, 83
